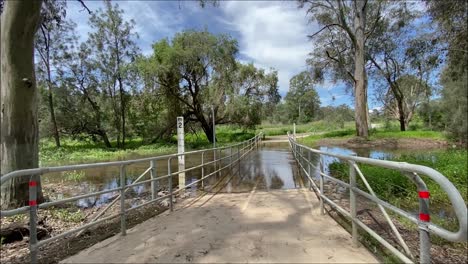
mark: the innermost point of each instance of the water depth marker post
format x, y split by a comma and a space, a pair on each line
181, 150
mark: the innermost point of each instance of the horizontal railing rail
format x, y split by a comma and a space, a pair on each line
302, 154
236, 152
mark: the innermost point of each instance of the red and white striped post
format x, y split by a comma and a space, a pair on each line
33, 218
424, 217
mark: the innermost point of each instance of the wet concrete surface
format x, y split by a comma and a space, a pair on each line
276, 226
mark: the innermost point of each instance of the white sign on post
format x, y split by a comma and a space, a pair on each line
181, 149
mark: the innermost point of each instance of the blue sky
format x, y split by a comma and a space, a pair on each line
271, 34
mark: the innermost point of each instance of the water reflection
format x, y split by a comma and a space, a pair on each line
268, 168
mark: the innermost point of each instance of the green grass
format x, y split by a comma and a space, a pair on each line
317, 126
406, 134
67, 215
394, 187
77, 151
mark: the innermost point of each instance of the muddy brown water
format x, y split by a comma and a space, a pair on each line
270, 167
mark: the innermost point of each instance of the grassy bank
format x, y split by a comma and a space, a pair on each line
78, 151
312, 127
374, 135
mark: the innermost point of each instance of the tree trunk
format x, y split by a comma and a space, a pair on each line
51, 105
104, 137
19, 123
401, 115
97, 111
206, 126
122, 109
360, 77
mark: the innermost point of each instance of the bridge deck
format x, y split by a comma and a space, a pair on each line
281, 226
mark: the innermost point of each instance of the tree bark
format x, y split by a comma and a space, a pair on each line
19, 123
51, 105
401, 115
360, 75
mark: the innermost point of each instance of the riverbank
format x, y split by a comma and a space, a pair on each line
82, 151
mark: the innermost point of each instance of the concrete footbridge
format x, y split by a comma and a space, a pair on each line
254, 201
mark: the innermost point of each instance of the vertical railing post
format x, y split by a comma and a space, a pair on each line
238, 159
214, 161
154, 183
294, 131
322, 209
424, 218
33, 218
203, 169
169, 172
230, 160
123, 224
352, 201
309, 162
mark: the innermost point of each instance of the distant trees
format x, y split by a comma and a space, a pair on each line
198, 70
302, 101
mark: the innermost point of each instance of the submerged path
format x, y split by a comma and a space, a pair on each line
280, 226
260, 213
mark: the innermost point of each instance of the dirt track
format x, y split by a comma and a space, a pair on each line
276, 227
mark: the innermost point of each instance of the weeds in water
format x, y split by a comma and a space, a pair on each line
74, 175
67, 215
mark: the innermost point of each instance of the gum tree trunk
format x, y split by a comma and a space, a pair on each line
360, 75
18, 98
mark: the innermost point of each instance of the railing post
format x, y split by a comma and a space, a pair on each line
230, 160
214, 161
203, 170
424, 218
33, 218
322, 209
170, 183
352, 201
238, 159
123, 224
154, 183
309, 168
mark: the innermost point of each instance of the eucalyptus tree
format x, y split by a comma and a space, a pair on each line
340, 46
302, 99
20, 21
18, 98
401, 50
412, 92
83, 99
114, 48
51, 43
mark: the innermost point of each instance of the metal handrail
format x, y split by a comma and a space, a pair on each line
243, 149
411, 171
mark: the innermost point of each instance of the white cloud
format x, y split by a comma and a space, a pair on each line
152, 20
272, 34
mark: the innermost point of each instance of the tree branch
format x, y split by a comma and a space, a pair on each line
84, 6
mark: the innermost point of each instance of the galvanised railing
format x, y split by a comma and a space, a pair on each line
303, 156
234, 155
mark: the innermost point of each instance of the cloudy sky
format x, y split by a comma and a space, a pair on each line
271, 34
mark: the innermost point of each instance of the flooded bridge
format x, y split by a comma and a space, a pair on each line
250, 202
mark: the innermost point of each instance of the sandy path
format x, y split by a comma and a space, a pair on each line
282, 226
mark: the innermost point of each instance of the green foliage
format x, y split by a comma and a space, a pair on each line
302, 101
394, 187
74, 175
88, 151
451, 17
67, 215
